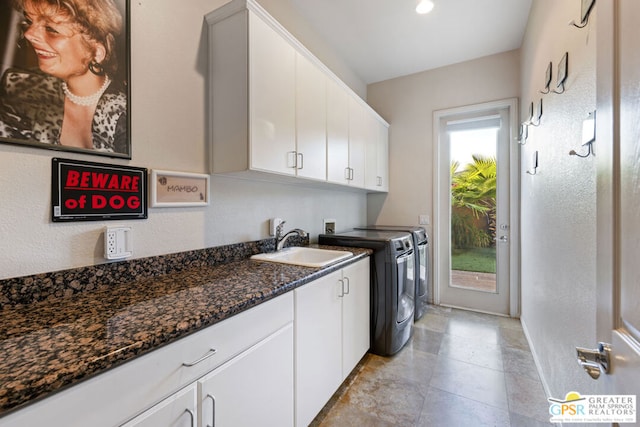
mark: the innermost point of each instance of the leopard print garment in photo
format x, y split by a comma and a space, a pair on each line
32, 108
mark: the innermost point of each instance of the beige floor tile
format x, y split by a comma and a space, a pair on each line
471, 381
459, 369
471, 350
446, 409
526, 397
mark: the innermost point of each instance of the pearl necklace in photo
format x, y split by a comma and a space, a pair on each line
86, 100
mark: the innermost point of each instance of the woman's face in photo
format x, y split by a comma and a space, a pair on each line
61, 49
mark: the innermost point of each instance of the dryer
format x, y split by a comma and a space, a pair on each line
421, 252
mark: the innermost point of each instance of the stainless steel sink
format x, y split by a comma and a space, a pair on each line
304, 256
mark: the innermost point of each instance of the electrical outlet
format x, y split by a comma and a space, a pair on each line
117, 243
424, 219
329, 226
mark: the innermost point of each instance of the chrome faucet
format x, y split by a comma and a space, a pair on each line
282, 238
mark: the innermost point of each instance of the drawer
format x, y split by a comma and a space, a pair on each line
115, 396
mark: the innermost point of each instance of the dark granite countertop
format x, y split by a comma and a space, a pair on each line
49, 345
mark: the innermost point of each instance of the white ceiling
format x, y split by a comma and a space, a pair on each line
383, 39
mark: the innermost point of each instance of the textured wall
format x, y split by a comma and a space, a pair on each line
559, 203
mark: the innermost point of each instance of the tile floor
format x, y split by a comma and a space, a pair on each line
460, 369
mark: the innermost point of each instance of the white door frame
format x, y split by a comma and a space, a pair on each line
514, 193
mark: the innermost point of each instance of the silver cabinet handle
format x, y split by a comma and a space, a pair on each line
292, 159
301, 164
341, 288
213, 410
192, 417
348, 173
207, 355
346, 279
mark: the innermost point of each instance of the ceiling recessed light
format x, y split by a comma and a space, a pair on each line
424, 6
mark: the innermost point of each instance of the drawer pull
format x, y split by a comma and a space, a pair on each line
210, 353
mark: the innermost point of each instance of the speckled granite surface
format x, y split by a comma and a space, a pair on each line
55, 337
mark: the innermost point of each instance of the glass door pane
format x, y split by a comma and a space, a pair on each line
473, 155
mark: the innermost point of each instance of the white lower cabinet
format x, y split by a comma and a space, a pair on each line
254, 388
178, 410
355, 315
331, 335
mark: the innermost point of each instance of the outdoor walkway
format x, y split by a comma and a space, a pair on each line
474, 280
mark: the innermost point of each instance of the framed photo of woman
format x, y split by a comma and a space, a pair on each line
64, 75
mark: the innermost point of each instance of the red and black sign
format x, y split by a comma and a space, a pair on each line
86, 191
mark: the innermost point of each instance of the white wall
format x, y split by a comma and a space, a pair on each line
559, 203
168, 64
408, 103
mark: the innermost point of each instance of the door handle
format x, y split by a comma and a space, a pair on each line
595, 361
502, 239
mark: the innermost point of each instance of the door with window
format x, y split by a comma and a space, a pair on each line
474, 241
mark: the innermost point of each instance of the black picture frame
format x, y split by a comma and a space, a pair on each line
90, 191
110, 132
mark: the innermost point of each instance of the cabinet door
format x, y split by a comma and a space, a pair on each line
371, 151
254, 388
357, 140
355, 315
178, 410
318, 338
272, 99
383, 157
377, 154
337, 133
311, 120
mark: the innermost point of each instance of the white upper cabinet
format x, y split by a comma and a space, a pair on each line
337, 134
377, 155
311, 120
276, 109
358, 135
272, 76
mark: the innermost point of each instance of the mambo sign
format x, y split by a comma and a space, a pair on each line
86, 191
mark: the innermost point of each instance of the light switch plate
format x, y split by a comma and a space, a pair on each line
273, 225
